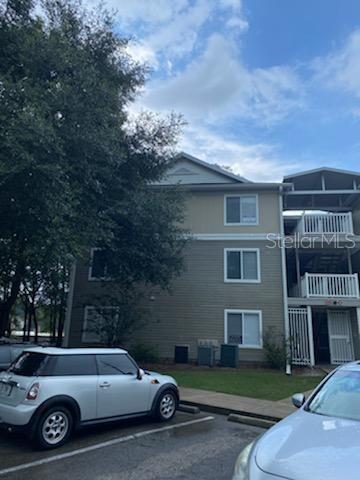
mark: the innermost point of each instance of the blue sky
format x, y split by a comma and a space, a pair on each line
268, 87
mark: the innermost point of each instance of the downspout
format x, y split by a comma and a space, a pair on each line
69, 305
284, 280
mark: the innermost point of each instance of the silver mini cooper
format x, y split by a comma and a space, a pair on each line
51, 391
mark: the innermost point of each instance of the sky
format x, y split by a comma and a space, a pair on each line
267, 87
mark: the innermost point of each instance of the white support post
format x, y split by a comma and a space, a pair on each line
298, 277
349, 261
311, 336
358, 320
69, 305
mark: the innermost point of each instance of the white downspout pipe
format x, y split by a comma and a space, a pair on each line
284, 279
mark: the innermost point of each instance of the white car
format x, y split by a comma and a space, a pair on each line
319, 442
51, 391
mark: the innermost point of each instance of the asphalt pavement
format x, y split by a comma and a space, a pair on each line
203, 446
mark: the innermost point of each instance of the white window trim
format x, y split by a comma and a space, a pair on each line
91, 278
258, 312
242, 280
84, 331
235, 224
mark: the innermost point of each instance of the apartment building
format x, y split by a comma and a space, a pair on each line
263, 258
322, 225
233, 286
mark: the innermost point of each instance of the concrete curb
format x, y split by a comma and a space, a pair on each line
188, 409
229, 411
256, 422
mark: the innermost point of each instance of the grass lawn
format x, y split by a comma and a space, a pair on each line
263, 384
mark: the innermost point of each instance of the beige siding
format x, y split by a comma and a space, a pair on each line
205, 213
195, 308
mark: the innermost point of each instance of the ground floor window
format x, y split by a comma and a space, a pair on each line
243, 328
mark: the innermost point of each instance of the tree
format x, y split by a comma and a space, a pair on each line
73, 167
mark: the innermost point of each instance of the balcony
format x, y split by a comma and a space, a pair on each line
330, 285
325, 223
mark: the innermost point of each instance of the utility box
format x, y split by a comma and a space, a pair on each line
206, 355
229, 355
181, 354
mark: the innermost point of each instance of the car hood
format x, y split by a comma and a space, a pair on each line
307, 446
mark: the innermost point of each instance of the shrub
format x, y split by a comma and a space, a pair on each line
276, 350
144, 353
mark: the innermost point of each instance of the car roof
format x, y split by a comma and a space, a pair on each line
74, 351
351, 366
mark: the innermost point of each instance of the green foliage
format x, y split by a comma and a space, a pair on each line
276, 350
74, 170
144, 353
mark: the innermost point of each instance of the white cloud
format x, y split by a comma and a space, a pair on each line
147, 11
179, 36
217, 86
341, 69
257, 162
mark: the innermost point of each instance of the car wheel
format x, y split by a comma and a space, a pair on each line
166, 406
53, 428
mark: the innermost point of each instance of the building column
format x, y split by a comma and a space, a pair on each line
298, 275
358, 320
311, 336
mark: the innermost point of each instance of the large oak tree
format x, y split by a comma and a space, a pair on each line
74, 170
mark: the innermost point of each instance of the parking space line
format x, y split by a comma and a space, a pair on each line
108, 443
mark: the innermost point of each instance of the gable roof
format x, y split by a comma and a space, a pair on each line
212, 167
321, 170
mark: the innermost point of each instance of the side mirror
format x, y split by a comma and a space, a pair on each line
298, 400
140, 374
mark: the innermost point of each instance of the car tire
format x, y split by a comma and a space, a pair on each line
166, 406
53, 428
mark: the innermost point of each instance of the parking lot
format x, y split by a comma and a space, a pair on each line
189, 447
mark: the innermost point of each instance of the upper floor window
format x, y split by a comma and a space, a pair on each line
242, 265
101, 267
241, 210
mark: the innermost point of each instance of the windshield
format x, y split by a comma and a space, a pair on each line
28, 364
339, 397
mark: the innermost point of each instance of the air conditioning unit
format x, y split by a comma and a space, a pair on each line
206, 355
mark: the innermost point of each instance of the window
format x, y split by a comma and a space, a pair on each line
28, 364
242, 265
101, 265
241, 210
63, 365
243, 328
118, 364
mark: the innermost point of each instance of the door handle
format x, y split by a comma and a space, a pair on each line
105, 385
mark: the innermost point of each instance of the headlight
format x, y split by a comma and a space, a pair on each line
241, 471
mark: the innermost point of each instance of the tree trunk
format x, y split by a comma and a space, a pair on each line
7, 305
26, 313
36, 325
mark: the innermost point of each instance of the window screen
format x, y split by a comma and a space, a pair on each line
241, 209
242, 265
243, 328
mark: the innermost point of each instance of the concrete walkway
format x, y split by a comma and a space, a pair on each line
226, 404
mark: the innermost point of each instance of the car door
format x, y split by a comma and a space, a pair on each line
120, 391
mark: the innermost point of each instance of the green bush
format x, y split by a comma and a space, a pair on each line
276, 350
144, 353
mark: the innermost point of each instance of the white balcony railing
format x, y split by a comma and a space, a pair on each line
318, 223
330, 285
